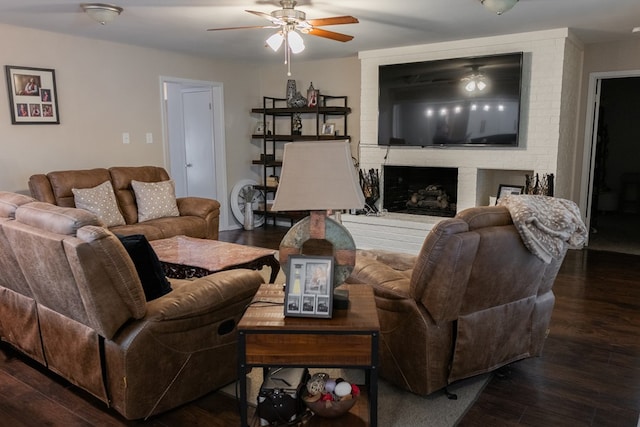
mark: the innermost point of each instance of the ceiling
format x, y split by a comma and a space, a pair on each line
180, 25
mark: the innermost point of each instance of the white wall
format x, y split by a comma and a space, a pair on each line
547, 57
105, 89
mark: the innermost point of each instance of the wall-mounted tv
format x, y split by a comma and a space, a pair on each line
431, 104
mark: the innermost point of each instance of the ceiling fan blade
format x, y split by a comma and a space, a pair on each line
330, 35
336, 20
276, 21
242, 28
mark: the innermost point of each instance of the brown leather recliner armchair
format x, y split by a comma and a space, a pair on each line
474, 299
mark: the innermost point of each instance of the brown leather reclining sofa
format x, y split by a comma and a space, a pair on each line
71, 299
199, 217
474, 299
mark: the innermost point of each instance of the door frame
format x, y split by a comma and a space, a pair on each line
591, 133
219, 144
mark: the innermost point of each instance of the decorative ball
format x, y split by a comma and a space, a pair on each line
342, 389
329, 386
316, 383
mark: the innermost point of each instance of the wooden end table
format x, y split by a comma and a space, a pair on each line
348, 340
184, 257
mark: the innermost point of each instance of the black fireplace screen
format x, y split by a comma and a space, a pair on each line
420, 190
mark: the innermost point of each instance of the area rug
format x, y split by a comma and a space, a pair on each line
396, 407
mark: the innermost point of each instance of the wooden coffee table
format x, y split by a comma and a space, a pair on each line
184, 257
348, 340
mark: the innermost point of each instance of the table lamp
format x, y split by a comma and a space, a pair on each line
318, 177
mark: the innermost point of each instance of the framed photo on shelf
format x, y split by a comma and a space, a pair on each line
312, 97
309, 290
506, 190
33, 97
328, 128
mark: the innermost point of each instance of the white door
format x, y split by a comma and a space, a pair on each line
200, 164
193, 115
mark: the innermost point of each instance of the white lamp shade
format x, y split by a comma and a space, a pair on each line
499, 6
275, 41
318, 176
296, 44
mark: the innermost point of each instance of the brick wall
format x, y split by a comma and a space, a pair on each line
550, 59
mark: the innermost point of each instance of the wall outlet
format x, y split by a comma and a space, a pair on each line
149, 137
125, 138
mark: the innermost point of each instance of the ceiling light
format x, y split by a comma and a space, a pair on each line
498, 6
293, 43
296, 44
101, 12
635, 30
475, 82
275, 41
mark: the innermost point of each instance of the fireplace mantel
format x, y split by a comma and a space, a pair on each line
390, 231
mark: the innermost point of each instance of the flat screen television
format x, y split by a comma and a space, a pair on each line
431, 104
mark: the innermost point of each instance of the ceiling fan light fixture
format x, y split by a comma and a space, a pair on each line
296, 44
470, 86
498, 6
275, 41
475, 82
101, 12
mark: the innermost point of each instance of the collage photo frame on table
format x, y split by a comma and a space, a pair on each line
309, 290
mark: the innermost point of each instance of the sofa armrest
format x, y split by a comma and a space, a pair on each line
208, 294
386, 281
198, 206
395, 260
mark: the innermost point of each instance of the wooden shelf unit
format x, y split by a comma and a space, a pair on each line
274, 109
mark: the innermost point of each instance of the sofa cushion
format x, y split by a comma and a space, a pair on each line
148, 266
155, 199
100, 200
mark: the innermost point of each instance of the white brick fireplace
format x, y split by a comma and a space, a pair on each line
550, 88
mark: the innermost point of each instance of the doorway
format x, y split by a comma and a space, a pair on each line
193, 121
614, 173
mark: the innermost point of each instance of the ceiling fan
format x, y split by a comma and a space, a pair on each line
288, 21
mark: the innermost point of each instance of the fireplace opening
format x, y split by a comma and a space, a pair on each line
420, 190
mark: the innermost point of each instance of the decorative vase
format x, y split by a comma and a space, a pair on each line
248, 216
294, 97
291, 91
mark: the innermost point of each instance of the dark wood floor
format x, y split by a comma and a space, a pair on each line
589, 374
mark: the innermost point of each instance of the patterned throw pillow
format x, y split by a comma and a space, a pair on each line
155, 199
100, 200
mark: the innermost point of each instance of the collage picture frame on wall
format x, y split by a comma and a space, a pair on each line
33, 96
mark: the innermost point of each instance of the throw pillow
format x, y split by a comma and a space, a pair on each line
155, 199
100, 200
148, 266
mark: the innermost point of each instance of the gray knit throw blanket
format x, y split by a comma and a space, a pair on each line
546, 224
